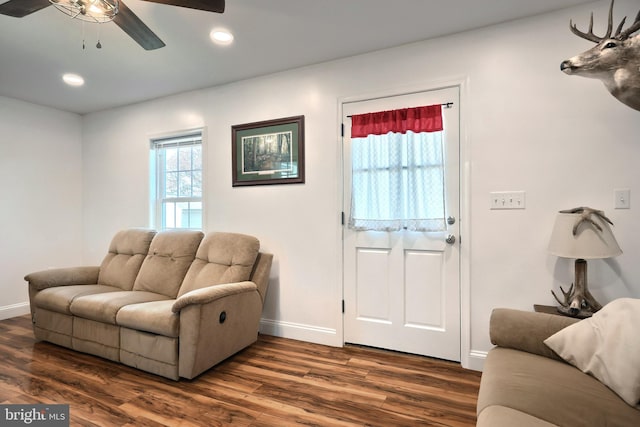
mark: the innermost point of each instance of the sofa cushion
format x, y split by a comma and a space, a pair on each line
221, 258
155, 317
606, 346
551, 390
59, 299
169, 258
501, 416
127, 250
105, 307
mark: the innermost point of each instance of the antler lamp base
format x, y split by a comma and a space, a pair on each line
578, 301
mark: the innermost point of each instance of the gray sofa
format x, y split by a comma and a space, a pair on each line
525, 384
174, 303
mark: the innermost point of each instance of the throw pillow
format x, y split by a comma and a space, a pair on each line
606, 346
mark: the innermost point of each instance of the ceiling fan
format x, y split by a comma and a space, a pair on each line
119, 13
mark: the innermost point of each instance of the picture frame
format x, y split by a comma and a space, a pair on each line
268, 152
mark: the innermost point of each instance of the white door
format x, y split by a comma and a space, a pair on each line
402, 288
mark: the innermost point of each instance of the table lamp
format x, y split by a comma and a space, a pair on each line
581, 233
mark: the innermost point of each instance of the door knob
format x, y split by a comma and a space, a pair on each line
451, 239
451, 220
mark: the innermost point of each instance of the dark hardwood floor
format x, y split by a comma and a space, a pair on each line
275, 382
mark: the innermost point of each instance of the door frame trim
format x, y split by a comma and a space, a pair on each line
467, 358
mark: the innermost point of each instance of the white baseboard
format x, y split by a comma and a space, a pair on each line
301, 332
14, 310
326, 336
476, 360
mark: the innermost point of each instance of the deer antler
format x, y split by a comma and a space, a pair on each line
632, 29
619, 34
585, 216
590, 36
567, 296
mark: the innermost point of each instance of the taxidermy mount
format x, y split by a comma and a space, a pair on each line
615, 59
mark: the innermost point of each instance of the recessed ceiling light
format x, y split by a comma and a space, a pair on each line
73, 79
221, 36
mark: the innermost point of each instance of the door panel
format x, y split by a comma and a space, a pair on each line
372, 281
423, 296
401, 288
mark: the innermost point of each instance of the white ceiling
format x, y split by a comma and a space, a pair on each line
270, 36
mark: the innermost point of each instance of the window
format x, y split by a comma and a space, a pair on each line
177, 177
398, 170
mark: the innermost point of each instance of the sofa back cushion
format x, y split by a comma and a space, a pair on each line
127, 250
221, 258
170, 255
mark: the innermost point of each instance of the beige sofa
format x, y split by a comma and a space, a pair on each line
174, 303
525, 384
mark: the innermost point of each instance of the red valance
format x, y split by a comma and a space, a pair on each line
418, 119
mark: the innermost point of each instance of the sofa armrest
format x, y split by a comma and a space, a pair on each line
40, 280
216, 322
525, 330
212, 293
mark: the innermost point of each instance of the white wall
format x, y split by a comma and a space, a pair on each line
40, 200
562, 139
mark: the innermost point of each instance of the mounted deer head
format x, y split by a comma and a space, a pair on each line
614, 59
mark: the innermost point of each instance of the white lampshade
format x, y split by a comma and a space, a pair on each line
588, 243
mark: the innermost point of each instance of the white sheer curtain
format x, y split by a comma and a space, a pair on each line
398, 182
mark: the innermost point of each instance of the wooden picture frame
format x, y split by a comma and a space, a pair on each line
268, 152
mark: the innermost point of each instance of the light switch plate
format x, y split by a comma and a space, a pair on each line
507, 200
622, 198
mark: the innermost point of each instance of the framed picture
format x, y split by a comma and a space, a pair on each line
268, 152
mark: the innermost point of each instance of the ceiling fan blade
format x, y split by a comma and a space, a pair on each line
136, 29
21, 8
206, 5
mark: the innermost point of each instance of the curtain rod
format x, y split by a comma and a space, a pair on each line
444, 104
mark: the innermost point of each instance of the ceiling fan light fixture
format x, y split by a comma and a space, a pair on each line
73, 79
221, 36
96, 11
